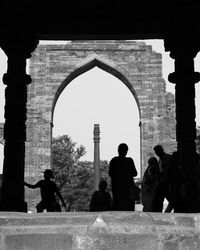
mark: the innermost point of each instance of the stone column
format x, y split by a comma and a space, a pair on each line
185, 78
17, 49
96, 156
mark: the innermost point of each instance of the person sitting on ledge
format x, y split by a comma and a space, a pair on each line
101, 199
48, 189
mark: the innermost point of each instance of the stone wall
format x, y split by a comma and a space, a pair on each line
97, 231
53, 67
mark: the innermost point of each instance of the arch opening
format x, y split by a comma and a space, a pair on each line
102, 63
118, 119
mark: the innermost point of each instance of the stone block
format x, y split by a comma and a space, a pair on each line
38, 242
99, 231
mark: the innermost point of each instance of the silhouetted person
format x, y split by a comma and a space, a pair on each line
176, 187
164, 160
48, 189
101, 199
121, 171
164, 164
150, 183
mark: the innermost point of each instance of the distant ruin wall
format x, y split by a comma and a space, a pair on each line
53, 67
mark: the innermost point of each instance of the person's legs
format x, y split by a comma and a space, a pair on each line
53, 207
57, 207
40, 207
159, 198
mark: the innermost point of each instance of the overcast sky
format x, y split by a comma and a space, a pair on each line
95, 97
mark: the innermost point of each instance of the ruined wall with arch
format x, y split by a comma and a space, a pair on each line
53, 67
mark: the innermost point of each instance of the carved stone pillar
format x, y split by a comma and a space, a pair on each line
96, 156
16, 81
185, 78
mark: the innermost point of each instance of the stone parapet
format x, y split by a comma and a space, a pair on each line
95, 231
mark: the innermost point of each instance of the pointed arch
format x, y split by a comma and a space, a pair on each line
105, 64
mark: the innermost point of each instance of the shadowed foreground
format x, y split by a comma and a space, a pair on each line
95, 231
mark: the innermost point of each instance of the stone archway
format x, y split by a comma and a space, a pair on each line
113, 69
107, 88
53, 67
105, 64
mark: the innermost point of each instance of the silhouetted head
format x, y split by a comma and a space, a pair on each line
48, 174
153, 161
159, 151
102, 186
122, 149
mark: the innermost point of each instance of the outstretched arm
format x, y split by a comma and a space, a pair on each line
30, 185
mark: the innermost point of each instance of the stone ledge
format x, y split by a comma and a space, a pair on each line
95, 231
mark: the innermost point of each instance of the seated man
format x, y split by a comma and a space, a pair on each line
48, 189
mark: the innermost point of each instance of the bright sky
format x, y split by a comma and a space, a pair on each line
85, 102
98, 97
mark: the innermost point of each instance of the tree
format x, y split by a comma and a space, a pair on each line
74, 178
65, 156
79, 191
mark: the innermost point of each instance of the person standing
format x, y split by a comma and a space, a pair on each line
122, 172
165, 161
176, 187
150, 186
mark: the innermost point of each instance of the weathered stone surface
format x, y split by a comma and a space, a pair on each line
99, 231
38, 241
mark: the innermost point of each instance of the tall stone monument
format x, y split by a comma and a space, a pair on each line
96, 138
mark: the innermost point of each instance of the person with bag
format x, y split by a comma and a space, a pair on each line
121, 171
